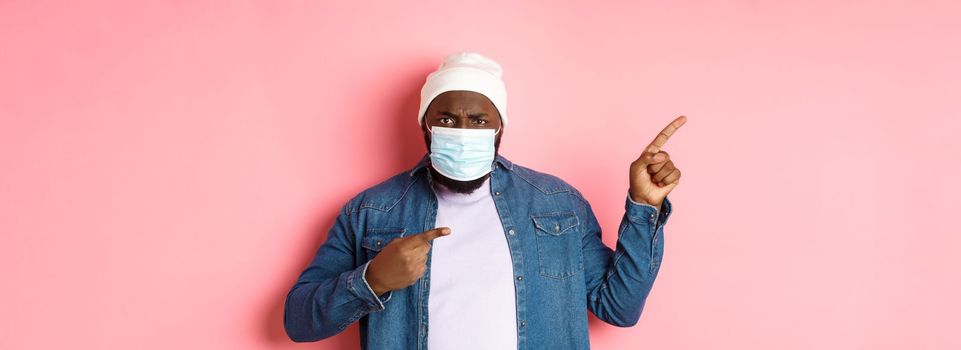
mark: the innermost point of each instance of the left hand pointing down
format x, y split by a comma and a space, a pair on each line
653, 175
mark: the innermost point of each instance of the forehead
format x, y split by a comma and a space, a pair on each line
461, 99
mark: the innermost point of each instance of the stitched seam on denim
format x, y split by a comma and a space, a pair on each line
534, 217
653, 243
387, 209
560, 275
369, 236
562, 190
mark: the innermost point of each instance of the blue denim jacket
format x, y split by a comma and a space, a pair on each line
562, 268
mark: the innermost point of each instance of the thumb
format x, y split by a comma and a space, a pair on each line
649, 157
429, 235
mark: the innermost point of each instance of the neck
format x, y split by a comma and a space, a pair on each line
465, 187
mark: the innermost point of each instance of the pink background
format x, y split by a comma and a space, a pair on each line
169, 168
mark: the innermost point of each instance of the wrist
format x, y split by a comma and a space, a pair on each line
376, 287
372, 281
641, 200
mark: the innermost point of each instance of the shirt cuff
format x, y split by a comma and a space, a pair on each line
641, 212
382, 299
358, 286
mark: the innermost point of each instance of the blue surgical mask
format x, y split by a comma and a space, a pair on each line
462, 154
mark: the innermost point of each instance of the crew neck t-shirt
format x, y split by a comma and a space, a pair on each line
471, 303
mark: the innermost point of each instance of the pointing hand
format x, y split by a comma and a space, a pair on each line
653, 175
402, 262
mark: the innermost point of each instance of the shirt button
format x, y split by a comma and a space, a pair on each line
523, 323
510, 232
520, 278
497, 193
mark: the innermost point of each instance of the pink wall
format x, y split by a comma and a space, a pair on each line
168, 169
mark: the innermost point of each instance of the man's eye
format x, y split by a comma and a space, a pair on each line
480, 121
445, 120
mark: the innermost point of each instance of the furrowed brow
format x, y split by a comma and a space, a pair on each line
455, 115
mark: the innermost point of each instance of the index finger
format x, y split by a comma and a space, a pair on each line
430, 235
665, 134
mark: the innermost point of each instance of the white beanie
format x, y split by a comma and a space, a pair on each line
468, 71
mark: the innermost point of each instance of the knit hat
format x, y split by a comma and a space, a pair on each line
468, 71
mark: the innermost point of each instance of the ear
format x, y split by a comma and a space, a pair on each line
423, 130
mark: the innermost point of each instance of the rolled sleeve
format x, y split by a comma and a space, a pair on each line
383, 299
646, 213
357, 282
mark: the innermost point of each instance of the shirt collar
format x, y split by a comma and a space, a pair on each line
425, 162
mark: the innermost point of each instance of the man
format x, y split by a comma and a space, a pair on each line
468, 250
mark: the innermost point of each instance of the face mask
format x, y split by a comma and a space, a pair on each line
462, 154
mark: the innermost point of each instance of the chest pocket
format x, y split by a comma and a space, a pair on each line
558, 244
377, 238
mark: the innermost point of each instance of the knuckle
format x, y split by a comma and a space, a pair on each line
410, 259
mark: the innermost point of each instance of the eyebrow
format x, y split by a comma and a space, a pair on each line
471, 115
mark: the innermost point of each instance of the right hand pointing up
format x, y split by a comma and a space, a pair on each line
402, 261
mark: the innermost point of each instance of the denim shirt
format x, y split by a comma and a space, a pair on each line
562, 269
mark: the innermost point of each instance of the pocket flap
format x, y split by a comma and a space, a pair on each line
378, 238
555, 223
